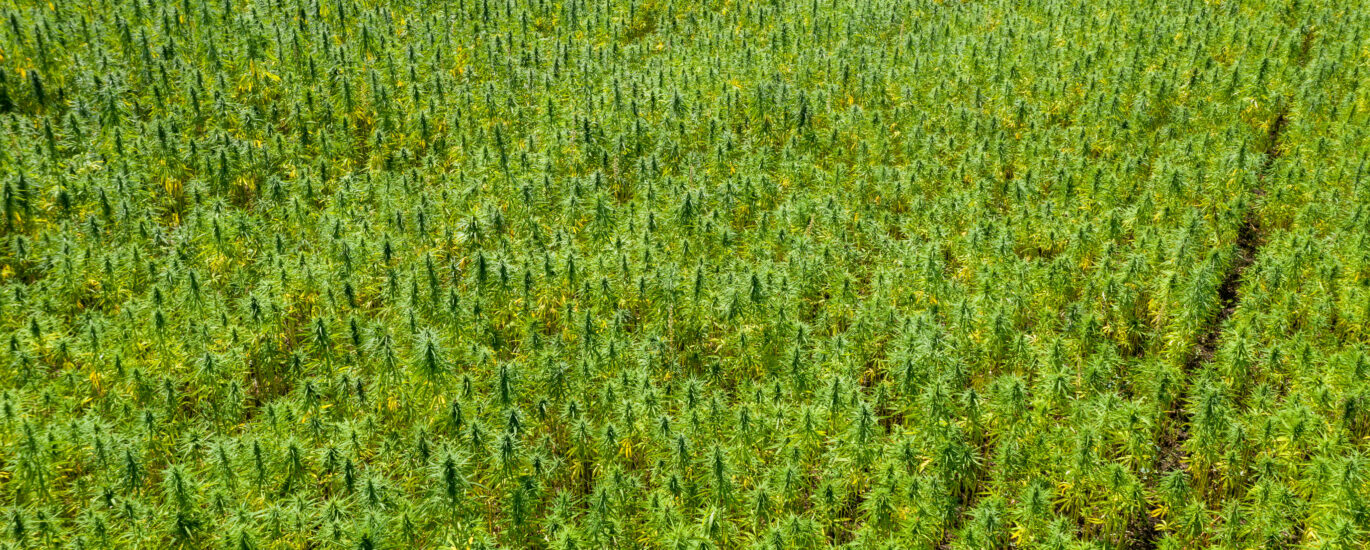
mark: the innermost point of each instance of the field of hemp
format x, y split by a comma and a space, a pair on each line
684, 274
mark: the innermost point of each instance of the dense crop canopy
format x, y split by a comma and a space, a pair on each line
684, 275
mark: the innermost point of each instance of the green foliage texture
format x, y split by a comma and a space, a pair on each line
684, 274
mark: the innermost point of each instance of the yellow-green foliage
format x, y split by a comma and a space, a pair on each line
678, 274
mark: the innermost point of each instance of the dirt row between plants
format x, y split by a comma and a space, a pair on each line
1250, 237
